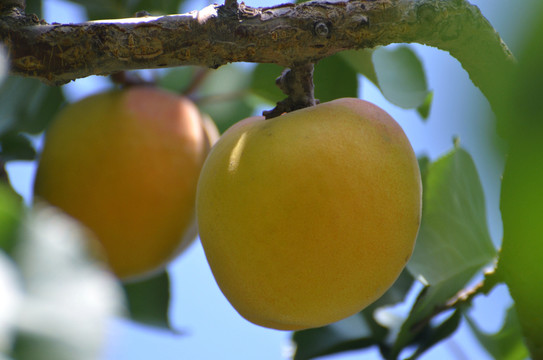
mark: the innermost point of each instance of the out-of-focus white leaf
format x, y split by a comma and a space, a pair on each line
10, 294
3, 63
70, 296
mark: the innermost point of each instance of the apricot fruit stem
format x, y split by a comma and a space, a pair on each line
297, 83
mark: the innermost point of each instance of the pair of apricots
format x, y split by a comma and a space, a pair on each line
305, 219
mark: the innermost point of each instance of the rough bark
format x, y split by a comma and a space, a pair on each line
285, 34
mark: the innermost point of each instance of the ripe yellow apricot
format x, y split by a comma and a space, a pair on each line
126, 164
307, 218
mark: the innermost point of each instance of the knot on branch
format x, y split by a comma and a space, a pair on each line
297, 83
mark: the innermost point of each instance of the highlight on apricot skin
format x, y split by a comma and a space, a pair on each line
310, 217
125, 164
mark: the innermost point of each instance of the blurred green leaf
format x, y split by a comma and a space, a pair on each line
224, 95
521, 202
104, 9
397, 291
40, 105
506, 343
397, 72
355, 332
34, 7
149, 300
156, 7
362, 62
263, 82
424, 164
401, 76
334, 79
416, 328
177, 79
453, 237
112, 9
14, 146
11, 210
424, 108
438, 334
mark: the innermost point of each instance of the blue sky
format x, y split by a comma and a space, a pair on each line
209, 327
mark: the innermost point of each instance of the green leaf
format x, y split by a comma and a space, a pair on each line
149, 300
506, 343
453, 242
104, 9
155, 7
362, 62
34, 7
334, 79
225, 97
453, 237
397, 72
424, 108
401, 76
355, 332
430, 298
177, 79
14, 146
107, 9
27, 105
521, 201
10, 216
397, 291
437, 334
263, 82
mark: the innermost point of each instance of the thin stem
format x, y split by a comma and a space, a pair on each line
196, 81
464, 297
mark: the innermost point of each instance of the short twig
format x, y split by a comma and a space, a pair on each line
297, 83
196, 81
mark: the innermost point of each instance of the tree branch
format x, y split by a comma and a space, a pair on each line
284, 34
